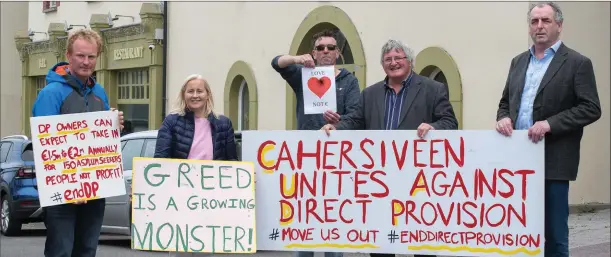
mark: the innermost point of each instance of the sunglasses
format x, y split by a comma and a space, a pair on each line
322, 47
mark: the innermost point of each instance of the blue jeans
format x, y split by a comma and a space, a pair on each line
73, 230
556, 218
311, 254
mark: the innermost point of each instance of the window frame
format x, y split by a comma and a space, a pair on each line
139, 154
126, 91
50, 6
3, 159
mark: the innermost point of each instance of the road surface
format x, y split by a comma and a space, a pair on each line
590, 237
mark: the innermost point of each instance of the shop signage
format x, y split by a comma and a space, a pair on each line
42, 63
128, 53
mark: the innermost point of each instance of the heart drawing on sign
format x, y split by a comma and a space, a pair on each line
319, 86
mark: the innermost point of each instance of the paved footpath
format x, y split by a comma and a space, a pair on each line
590, 237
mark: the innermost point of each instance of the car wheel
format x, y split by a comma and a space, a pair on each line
8, 225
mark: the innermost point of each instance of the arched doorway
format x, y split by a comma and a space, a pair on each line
437, 64
352, 54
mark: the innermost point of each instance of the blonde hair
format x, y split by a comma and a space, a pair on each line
87, 34
181, 106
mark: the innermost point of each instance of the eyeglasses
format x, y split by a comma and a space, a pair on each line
322, 47
396, 59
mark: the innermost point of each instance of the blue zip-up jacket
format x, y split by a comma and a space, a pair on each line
175, 137
65, 94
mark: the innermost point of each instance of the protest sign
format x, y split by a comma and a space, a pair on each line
464, 193
193, 206
318, 89
77, 157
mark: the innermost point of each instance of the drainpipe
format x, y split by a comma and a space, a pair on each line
164, 90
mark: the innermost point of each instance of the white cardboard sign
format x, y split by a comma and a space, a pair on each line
453, 193
77, 157
193, 206
318, 89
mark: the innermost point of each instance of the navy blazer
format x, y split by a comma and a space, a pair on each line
175, 137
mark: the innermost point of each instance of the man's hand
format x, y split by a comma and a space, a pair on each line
538, 131
327, 128
505, 127
423, 129
305, 59
120, 118
331, 117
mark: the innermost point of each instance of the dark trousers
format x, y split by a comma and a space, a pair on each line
392, 255
556, 218
73, 230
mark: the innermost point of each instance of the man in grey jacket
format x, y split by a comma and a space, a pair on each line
325, 53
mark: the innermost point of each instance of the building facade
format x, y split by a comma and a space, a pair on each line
129, 67
13, 18
467, 45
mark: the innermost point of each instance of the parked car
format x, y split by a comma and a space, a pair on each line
18, 189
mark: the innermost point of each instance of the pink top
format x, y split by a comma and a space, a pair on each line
201, 149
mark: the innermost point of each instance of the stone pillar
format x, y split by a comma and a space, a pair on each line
21, 39
152, 19
56, 30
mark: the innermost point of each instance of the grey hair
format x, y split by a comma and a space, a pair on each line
558, 17
393, 44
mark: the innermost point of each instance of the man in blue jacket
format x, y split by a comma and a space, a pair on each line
326, 52
74, 229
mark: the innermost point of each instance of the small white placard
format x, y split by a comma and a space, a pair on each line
318, 89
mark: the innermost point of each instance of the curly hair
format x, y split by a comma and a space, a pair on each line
87, 34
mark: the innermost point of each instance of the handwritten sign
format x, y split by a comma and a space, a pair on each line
77, 157
464, 193
318, 89
193, 206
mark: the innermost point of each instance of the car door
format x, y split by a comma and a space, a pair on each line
117, 211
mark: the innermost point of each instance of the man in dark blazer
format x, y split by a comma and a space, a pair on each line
404, 100
551, 92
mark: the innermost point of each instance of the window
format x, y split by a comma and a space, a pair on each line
133, 99
149, 148
49, 6
243, 104
345, 56
133, 85
40, 83
438, 76
132, 148
241, 97
4, 150
437, 64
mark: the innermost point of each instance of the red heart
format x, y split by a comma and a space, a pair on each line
319, 86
